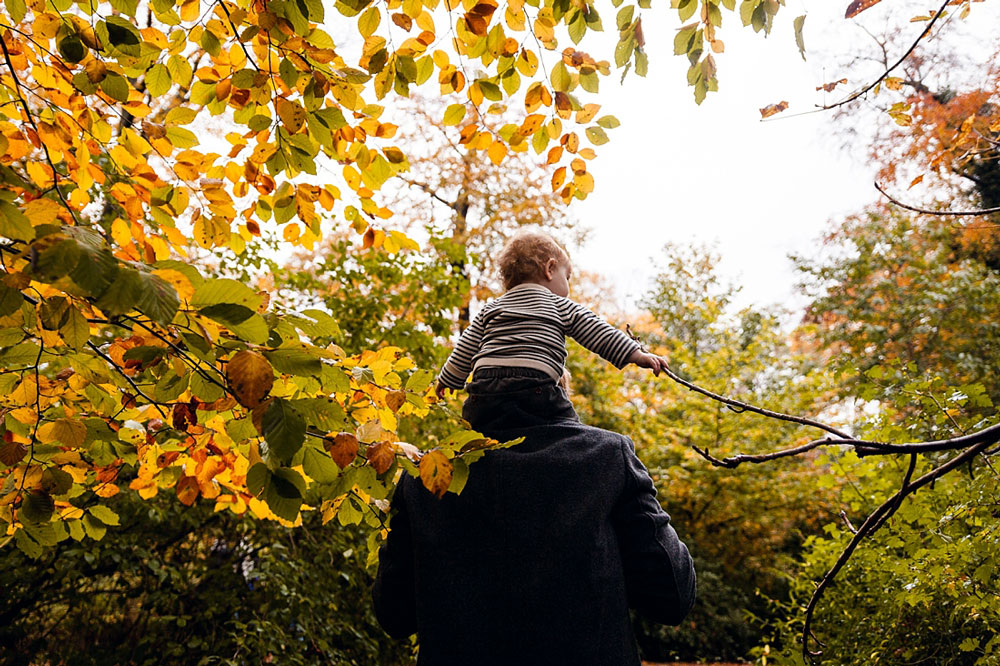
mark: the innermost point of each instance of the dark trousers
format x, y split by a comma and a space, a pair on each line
495, 391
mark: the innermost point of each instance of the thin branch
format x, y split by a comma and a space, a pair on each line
429, 191
925, 211
739, 407
885, 74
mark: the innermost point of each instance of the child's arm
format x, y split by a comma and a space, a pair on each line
459, 364
609, 343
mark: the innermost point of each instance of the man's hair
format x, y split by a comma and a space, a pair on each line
525, 256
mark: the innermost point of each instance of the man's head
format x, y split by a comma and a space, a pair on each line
533, 256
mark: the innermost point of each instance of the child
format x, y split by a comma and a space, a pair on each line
516, 346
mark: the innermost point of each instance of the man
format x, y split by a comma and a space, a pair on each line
540, 557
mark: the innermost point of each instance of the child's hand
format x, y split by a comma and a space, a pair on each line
646, 360
439, 390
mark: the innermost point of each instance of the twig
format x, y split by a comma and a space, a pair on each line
885, 74
925, 211
746, 407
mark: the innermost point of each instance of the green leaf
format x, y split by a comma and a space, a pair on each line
322, 413
158, 299
560, 78
122, 294
577, 27
48, 533
205, 390
641, 62
285, 492
180, 115
295, 361
37, 506
10, 300
258, 477
97, 266
241, 430
210, 43
24, 354
187, 270
180, 70
25, 543
624, 16
158, 80
104, 514
225, 290
284, 429
115, 86
170, 387
419, 381
243, 322
14, 224
55, 260
454, 114
76, 330
95, 529
10, 337
459, 475
17, 9
608, 122
597, 136
282, 490
182, 137
288, 72
56, 482
318, 466
589, 81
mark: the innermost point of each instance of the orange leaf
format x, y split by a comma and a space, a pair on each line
381, 456
772, 109
343, 448
435, 472
187, 490
251, 376
858, 6
558, 178
497, 151
395, 399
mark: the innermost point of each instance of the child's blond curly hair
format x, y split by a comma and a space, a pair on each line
525, 256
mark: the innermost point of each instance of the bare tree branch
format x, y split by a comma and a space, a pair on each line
925, 211
885, 74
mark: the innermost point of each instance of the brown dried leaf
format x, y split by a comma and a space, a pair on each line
343, 448
250, 376
395, 399
828, 87
772, 109
12, 453
381, 456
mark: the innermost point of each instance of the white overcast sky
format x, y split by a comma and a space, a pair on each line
677, 172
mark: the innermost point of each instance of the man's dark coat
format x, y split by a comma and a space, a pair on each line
539, 558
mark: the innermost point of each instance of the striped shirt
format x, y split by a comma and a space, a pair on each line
527, 328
